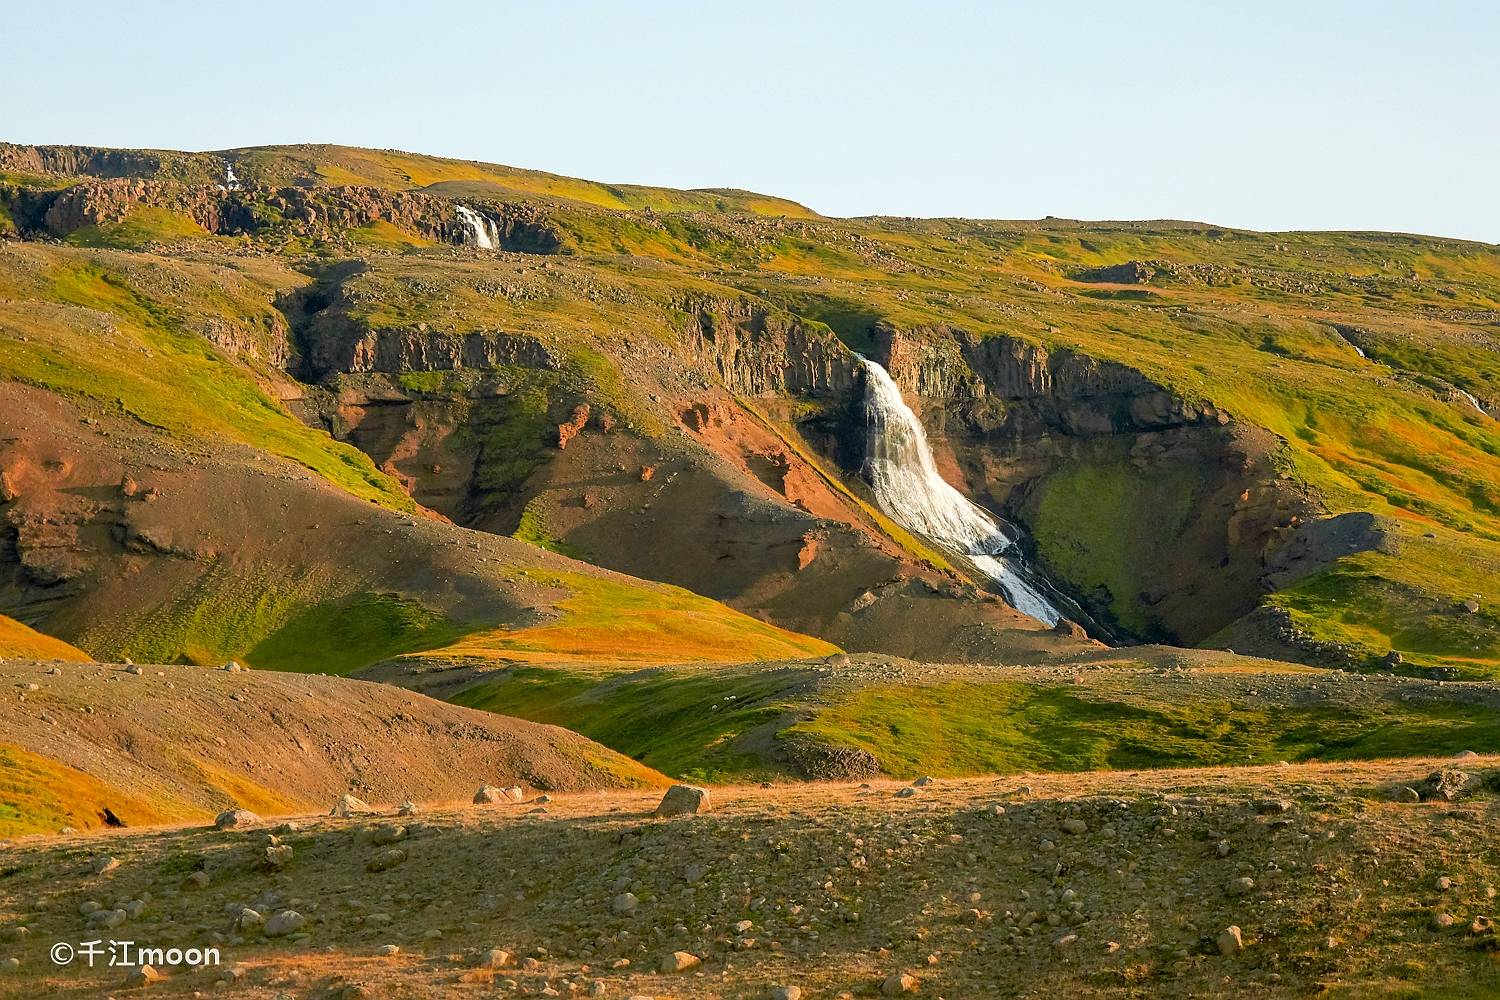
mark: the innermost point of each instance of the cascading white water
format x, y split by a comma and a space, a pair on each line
907, 486
480, 230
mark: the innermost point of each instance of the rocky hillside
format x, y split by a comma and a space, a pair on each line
1279, 443
87, 746
1277, 882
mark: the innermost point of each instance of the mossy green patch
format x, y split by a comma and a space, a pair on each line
145, 224
684, 724
1081, 528
90, 329
338, 637
971, 728
609, 622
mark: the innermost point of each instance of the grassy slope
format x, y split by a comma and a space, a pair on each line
403, 171
1245, 320
717, 724
122, 330
19, 641
110, 327
609, 623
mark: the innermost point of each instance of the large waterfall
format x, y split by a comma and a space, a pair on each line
908, 487
479, 230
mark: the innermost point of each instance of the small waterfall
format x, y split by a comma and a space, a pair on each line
479, 230
908, 487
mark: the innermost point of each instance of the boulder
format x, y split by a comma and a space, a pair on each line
145, 975
348, 805
1230, 940
387, 833
233, 819
679, 961
386, 860
684, 800
494, 958
899, 983
284, 923
1448, 784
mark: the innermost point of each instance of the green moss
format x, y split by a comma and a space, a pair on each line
423, 381
533, 530
682, 724
161, 372
1376, 602
338, 637
1082, 529
143, 225
968, 728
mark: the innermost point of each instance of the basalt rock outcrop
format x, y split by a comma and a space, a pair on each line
758, 351
1020, 426
325, 212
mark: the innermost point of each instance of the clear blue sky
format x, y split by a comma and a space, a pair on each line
1268, 115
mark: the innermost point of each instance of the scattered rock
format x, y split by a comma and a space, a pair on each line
906, 792
678, 961
347, 806
1230, 940
285, 922
141, 976
387, 833
388, 950
1406, 793
386, 860
784, 993
495, 958
624, 903
683, 800
1074, 826
923, 781
408, 808
1448, 784
898, 983
277, 856
233, 819
104, 865
488, 795
1241, 886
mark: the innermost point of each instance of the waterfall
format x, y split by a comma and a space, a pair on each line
479, 230
908, 487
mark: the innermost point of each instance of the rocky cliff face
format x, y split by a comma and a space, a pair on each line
1196, 507
757, 351
81, 161
103, 198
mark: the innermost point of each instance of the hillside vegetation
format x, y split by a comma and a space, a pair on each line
607, 467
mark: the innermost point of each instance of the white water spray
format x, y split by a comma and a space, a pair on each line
479, 230
908, 487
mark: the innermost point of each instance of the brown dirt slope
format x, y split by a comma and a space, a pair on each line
1103, 885
130, 541
177, 743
